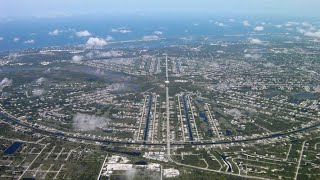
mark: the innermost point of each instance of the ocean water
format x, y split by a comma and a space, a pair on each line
183, 28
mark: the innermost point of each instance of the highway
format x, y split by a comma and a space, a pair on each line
168, 122
168, 111
7, 117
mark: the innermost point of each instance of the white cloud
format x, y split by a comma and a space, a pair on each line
1, 38
152, 37
158, 32
302, 31
109, 38
256, 41
306, 24
246, 23
278, 26
85, 122
219, 24
30, 41
310, 32
312, 28
48, 70
13, 56
252, 56
268, 65
289, 24
189, 38
108, 54
297, 38
84, 33
122, 30
116, 87
259, 28
41, 80
231, 20
130, 173
234, 112
5, 82
16, 39
55, 32
77, 58
38, 92
96, 42
313, 34
99, 72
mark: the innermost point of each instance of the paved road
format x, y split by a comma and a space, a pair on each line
7, 117
168, 122
168, 111
299, 162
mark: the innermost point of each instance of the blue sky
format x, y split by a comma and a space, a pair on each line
57, 8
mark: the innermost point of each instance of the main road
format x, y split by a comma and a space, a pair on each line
10, 118
167, 110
